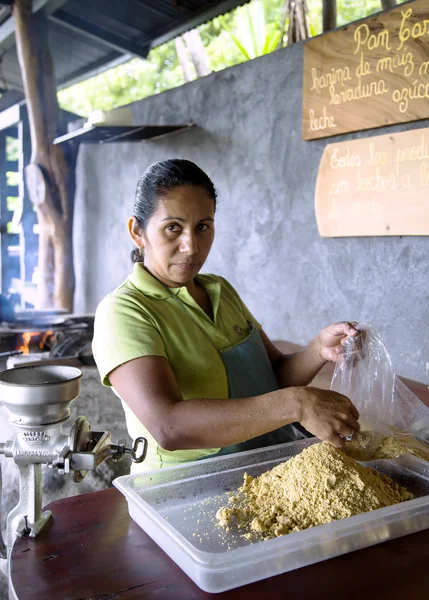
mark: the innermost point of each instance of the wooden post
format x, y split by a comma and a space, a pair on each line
388, 4
50, 176
329, 14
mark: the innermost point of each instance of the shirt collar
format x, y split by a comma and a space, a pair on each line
146, 283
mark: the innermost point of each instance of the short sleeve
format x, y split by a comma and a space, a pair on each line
241, 305
123, 331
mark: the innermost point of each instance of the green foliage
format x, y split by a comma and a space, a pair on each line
255, 36
118, 86
220, 48
12, 178
12, 148
13, 203
240, 35
125, 83
347, 12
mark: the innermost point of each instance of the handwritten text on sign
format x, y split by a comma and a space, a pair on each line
375, 186
369, 74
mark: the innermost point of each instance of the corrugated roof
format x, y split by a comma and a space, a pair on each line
88, 35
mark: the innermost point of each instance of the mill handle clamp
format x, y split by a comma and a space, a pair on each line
121, 450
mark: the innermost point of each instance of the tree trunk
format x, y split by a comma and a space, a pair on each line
298, 27
197, 52
388, 4
50, 176
184, 61
329, 14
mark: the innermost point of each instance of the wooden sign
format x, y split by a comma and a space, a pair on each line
375, 186
370, 74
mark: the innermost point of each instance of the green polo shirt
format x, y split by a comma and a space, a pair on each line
141, 318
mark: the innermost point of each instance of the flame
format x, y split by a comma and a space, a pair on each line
27, 336
45, 337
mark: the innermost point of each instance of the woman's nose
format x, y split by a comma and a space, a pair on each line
189, 244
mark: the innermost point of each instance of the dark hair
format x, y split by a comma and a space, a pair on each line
160, 178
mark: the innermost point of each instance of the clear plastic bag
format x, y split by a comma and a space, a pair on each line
387, 407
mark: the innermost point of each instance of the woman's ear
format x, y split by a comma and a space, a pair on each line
135, 232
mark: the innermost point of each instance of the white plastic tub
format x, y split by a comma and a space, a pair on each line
176, 506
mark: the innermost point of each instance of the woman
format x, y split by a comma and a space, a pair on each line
196, 373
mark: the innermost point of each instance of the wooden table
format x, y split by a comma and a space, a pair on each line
92, 550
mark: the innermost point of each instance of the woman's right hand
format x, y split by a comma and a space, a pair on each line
328, 415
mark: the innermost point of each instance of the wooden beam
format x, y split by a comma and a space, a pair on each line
11, 165
12, 190
7, 34
10, 98
141, 51
98, 34
206, 14
7, 29
10, 116
113, 59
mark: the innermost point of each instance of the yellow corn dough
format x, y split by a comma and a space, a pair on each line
369, 446
318, 486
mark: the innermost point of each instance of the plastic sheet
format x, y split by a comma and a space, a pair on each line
386, 405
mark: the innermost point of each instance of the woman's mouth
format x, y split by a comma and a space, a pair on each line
186, 266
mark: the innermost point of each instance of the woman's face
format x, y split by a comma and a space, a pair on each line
179, 235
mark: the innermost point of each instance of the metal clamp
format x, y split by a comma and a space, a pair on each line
121, 449
137, 442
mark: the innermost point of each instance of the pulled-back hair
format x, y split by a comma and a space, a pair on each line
159, 179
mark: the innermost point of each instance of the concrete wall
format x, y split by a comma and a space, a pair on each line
249, 141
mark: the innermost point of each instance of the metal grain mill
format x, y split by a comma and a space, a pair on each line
38, 400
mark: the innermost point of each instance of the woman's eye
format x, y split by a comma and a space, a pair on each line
173, 227
202, 227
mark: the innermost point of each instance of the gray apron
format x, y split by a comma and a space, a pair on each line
249, 373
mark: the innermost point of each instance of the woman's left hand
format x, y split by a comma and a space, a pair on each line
330, 340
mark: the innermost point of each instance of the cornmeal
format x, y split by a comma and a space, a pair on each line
318, 486
369, 446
